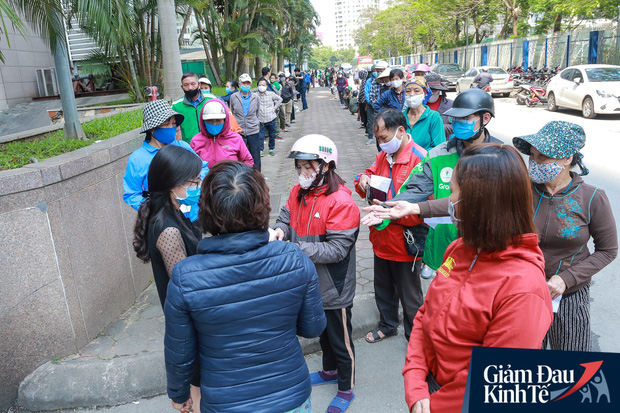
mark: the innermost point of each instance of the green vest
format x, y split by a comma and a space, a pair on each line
190, 126
440, 237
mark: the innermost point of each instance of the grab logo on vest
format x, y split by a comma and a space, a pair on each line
445, 175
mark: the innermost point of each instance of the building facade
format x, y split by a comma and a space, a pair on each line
347, 15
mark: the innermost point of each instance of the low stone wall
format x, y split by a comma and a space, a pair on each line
66, 256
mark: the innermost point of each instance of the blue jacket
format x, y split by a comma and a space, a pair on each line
136, 175
389, 99
238, 304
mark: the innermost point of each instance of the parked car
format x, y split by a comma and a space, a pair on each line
593, 89
502, 81
449, 72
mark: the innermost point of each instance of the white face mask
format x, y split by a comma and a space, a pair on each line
414, 101
262, 89
452, 211
434, 98
397, 83
306, 181
392, 146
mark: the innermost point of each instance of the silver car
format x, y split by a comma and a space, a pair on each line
502, 81
449, 72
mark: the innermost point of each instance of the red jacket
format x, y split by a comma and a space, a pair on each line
500, 299
389, 243
325, 227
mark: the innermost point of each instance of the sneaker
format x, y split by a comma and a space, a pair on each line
272, 152
284, 130
370, 142
279, 138
293, 121
262, 154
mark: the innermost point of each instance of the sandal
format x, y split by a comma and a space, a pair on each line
316, 379
376, 337
340, 403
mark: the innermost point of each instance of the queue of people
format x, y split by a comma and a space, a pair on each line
505, 240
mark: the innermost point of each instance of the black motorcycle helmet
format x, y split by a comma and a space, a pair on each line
471, 101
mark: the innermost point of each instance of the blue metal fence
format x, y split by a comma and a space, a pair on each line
562, 49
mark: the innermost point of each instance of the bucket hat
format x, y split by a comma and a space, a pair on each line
213, 109
157, 112
557, 139
245, 78
433, 80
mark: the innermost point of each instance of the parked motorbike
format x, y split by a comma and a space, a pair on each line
531, 95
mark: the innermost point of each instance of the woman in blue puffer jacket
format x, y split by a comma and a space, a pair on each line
239, 304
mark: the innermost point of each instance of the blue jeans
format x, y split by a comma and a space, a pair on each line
269, 127
303, 98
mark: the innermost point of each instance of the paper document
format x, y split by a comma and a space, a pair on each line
433, 222
556, 304
378, 188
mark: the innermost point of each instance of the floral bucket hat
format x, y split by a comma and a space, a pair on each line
557, 139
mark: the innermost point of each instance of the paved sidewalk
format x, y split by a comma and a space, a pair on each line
124, 363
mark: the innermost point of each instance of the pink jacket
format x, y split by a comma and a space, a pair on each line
228, 145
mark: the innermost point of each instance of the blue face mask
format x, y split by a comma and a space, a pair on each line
244, 89
228, 90
192, 194
463, 129
165, 135
214, 130
282, 79
375, 74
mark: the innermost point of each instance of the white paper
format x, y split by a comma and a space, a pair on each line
380, 182
433, 222
556, 304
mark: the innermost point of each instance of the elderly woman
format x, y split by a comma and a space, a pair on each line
492, 291
394, 97
568, 212
239, 303
423, 124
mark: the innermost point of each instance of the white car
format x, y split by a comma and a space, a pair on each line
593, 89
502, 81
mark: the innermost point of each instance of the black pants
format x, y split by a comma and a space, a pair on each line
340, 95
363, 114
253, 144
370, 121
396, 281
337, 346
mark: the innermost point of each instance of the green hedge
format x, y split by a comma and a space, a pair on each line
18, 153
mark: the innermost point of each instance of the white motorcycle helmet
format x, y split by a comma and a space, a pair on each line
315, 148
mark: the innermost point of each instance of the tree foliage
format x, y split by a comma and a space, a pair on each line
322, 56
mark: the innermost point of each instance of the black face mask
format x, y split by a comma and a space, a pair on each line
192, 93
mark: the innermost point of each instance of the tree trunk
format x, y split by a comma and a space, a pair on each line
214, 69
557, 23
258, 67
188, 15
73, 127
170, 48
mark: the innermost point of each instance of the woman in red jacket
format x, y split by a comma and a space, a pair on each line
490, 291
322, 219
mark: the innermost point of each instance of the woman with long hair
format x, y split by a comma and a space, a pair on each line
162, 234
239, 304
490, 290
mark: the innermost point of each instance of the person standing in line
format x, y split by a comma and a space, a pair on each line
423, 124
568, 213
190, 105
302, 87
159, 125
162, 234
269, 103
341, 85
439, 102
287, 103
216, 142
323, 220
361, 99
396, 272
238, 304
245, 105
266, 74
395, 96
205, 85
371, 91
492, 290
231, 87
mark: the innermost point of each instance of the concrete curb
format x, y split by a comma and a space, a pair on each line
125, 379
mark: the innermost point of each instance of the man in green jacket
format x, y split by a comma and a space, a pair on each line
190, 105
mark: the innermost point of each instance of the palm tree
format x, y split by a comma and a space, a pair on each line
45, 18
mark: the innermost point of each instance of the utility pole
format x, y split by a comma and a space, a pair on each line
170, 48
73, 127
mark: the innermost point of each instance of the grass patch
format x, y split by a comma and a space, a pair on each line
17, 154
126, 101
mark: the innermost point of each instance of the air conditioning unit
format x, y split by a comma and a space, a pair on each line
47, 82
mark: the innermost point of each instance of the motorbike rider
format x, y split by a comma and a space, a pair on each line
471, 112
484, 79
